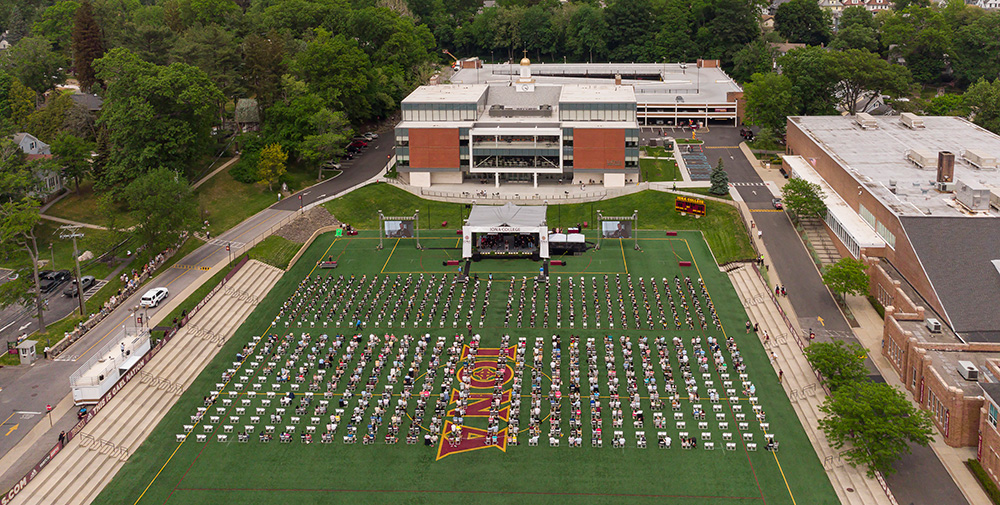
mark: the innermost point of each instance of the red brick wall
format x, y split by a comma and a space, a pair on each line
903, 256
989, 449
598, 148
434, 148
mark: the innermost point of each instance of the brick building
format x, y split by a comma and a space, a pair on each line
570, 123
915, 199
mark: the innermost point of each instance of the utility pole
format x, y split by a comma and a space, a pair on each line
73, 232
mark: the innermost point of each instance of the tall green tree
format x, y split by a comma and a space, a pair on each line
162, 204
921, 36
983, 98
155, 116
17, 26
87, 45
673, 41
976, 48
803, 198
215, 51
720, 180
47, 122
336, 69
56, 25
863, 74
803, 21
857, 30
769, 101
74, 155
18, 222
587, 33
629, 24
21, 101
755, 58
263, 66
838, 362
271, 165
35, 64
846, 277
814, 77
873, 424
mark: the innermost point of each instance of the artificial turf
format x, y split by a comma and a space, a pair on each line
212, 472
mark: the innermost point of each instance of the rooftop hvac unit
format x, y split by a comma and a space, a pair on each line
945, 187
922, 159
865, 121
979, 159
972, 195
968, 370
911, 120
933, 325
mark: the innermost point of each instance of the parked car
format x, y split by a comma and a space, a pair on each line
153, 297
359, 143
53, 280
370, 135
776, 202
332, 165
85, 283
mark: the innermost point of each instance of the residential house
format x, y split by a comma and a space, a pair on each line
49, 179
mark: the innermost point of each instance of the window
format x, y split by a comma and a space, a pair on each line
913, 378
991, 415
939, 413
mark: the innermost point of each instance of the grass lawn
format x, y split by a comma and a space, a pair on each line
85, 208
721, 225
657, 152
227, 202
47, 233
275, 251
165, 472
659, 170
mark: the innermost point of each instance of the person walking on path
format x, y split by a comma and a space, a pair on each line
781, 374
62, 438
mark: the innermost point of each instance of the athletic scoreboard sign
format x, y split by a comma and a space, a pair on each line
690, 205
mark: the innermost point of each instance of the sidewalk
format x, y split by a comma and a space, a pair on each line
953, 458
803, 388
67, 221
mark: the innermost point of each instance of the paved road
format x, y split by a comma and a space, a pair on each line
921, 477
30, 389
355, 171
15, 320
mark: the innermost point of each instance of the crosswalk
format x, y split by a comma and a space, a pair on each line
748, 183
722, 147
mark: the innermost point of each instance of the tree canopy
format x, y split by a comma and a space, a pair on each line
838, 362
847, 277
803, 198
873, 424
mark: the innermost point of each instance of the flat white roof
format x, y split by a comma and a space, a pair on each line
863, 234
876, 158
662, 83
575, 93
447, 93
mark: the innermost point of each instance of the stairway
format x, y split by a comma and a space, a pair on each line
803, 388
93, 458
820, 240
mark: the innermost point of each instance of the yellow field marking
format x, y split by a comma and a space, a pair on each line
167, 462
721, 147
389, 258
766, 210
621, 243
695, 263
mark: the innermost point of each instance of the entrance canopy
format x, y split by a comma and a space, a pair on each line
507, 219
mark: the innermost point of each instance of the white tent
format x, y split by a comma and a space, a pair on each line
508, 218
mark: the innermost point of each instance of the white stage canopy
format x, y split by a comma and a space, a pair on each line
508, 218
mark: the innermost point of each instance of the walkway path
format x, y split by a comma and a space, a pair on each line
222, 167
89, 462
802, 387
67, 221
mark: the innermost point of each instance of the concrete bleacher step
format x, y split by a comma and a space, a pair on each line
137, 410
799, 374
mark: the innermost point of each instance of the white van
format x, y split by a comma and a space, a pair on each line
153, 297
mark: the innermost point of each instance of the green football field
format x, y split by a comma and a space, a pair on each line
385, 290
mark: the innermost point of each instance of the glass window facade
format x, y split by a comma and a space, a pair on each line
440, 111
602, 111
